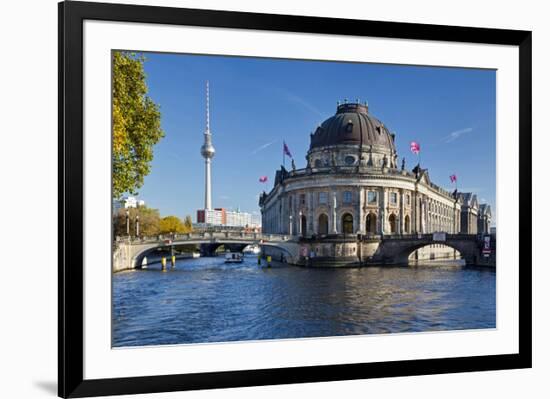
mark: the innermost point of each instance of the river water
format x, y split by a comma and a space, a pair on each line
206, 300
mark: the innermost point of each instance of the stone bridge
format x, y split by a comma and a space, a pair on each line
129, 253
331, 250
351, 250
397, 249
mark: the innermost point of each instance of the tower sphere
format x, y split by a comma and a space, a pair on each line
207, 150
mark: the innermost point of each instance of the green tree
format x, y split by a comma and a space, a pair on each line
149, 221
136, 123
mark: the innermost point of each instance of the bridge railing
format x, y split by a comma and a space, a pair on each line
430, 236
206, 236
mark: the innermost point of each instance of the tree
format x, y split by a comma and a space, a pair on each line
149, 221
171, 224
188, 224
136, 123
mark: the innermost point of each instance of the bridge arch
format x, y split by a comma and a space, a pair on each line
439, 251
397, 249
142, 253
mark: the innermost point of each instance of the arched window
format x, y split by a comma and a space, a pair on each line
371, 223
407, 224
322, 229
393, 223
347, 223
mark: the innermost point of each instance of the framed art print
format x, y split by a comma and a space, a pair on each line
252, 199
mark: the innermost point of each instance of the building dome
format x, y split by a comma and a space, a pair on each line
353, 125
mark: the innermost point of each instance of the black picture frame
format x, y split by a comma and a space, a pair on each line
70, 247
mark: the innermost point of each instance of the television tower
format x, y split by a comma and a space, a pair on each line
207, 151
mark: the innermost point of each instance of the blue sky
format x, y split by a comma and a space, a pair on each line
257, 103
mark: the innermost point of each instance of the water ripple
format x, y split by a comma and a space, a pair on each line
206, 300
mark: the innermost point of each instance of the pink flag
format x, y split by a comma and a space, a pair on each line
415, 147
263, 179
453, 178
286, 151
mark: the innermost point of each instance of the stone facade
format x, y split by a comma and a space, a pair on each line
353, 184
468, 213
364, 200
484, 219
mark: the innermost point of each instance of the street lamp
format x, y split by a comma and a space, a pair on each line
137, 225
127, 222
290, 228
300, 224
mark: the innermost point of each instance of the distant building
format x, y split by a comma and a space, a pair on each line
127, 202
484, 219
468, 213
215, 217
223, 217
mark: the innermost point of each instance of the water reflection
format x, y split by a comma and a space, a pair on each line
206, 300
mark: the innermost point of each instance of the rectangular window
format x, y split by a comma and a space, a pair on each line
302, 199
347, 197
408, 199
323, 198
372, 198
393, 198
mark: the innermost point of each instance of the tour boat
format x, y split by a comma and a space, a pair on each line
233, 257
252, 249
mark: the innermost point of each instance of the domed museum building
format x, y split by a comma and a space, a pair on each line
354, 190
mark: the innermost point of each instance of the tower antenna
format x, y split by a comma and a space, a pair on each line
207, 152
207, 107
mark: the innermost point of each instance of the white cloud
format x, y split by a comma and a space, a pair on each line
300, 101
456, 134
263, 147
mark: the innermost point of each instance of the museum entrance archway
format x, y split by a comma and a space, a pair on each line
347, 223
393, 223
371, 223
322, 229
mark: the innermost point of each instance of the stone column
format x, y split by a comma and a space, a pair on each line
310, 214
384, 205
402, 212
423, 212
415, 212
334, 221
280, 224
361, 212
428, 216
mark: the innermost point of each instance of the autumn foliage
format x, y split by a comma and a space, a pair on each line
136, 124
